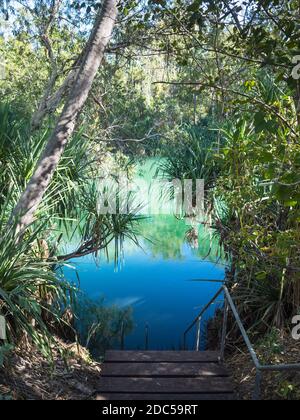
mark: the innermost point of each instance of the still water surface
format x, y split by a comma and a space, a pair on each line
161, 280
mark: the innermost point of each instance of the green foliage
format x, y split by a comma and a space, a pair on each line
229, 65
191, 156
288, 391
19, 154
259, 227
25, 70
32, 294
28, 288
97, 229
271, 343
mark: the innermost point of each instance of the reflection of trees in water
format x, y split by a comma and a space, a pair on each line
101, 327
166, 236
192, 237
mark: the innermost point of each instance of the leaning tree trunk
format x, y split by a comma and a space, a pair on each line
38, 184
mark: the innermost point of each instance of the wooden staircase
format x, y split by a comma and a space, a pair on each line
164, 375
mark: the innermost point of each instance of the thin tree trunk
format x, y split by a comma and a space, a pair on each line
38, 184
49, 103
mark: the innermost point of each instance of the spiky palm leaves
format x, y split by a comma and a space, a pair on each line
30, 290
257, 229
26, 282
191, 157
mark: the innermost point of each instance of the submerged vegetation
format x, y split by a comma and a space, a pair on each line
210, 87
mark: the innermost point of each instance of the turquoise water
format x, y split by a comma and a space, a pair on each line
160, 280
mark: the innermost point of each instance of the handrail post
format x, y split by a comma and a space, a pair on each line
201, 315
198, 334
242, 329
229, 305
258, 381
224, 330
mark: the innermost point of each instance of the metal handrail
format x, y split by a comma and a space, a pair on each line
199, 318
229, 304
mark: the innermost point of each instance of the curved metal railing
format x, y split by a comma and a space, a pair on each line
229, 304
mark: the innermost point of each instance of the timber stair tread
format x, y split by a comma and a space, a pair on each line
162, 369
161, 356
164, 375
163, 397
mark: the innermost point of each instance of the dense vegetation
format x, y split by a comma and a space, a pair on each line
211, 86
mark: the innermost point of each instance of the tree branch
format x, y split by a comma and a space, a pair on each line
235, 92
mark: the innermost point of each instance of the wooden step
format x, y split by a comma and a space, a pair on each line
164, 375
161, 369
199, 385
161, 356
164, 397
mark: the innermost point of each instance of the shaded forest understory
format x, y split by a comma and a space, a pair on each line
87, 90
72, 377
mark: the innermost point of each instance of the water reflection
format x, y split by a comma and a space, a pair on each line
156, 278
169, 238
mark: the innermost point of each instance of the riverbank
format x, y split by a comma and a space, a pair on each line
275, 348
73, 375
